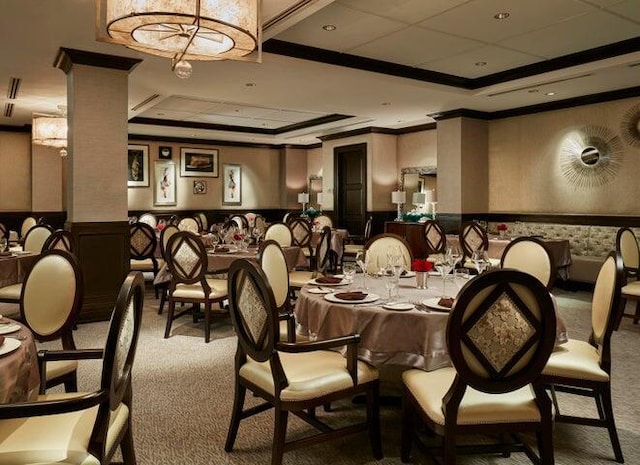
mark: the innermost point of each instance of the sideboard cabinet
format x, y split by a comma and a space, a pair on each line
413, 233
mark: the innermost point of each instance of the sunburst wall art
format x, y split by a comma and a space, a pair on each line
630, 126
591, 156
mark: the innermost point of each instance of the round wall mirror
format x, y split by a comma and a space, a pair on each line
590, 155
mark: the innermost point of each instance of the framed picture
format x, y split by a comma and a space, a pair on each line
164, 153
198, 162
231, 184
164, 187
199, 187
138, 166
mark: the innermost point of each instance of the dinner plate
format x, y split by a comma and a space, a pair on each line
9, 345
408, 274
368, 299
316, 283
9, 328
433, 304
399, 306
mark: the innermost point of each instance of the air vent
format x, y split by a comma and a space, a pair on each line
146, 101
8, 110
540, 85
14, 87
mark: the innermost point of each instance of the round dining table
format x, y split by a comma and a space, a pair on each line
414, 337
19, 372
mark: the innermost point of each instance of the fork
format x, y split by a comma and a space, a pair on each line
420, 306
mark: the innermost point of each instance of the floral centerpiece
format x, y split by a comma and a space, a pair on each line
502, 229
421, 265
311, 212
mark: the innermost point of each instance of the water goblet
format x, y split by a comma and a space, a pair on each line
349, 271
390, 280
362, 259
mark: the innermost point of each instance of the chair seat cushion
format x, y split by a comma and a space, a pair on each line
631, 289
576, 359
311, 374
11, 292
60, 368
56, 439
143, 265
352, 249
300, 278
195, 291
430, 387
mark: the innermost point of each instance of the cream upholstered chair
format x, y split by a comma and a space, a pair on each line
260, 223
241, 221
323, 220
435, 237
189, 223
280, 233
584, 368
274, 264
36, 237
189, 284
377, 248
61, 240
500, 333
166, 233
474, 237
627, 247
301, 236
204, 223
322, 259
82, 428
291, 377
355, 244
529, 254
142, 249
150, 219
28, 223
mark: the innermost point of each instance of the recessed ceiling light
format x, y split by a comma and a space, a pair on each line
533, 91
503, 15
385, 104
550, 93
481, 63
329, 27
159, 114
250, 84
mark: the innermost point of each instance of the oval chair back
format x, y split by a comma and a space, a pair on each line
280, 233
435, 237
28, 223
4, 233
204, 223
61, 240
187, 259
472, 237
322, 221
627, 246
273, 263
241, 221
165, 235
36, 237
150, 219
323, 251
188, 223
376, 251
530, 255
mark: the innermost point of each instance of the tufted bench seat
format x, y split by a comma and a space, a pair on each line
589, 244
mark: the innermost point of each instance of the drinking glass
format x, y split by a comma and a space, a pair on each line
390, 280
455, 254
444, 268
362, 259
460, 277
349, 271
479, 259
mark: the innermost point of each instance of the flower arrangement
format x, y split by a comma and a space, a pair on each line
311, 212
238, 237
421, 265
502, 227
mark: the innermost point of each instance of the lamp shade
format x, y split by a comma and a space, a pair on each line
319, 198
429, 196
398, 197
49, 130
303, 197
419, 198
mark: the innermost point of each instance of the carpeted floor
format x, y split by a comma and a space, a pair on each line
183, 389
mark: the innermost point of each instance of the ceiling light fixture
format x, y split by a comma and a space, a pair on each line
329, 27
550, 94
51, 130
503, 15
197, 30
533, 91
481, 63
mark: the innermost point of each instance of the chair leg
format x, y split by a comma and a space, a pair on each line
408, 430
71, 383
449, 449
172, 308
605, 396
279, 435
236, 416
163, 299
636, 317
126, 447
207, 322
373, 420
545, 445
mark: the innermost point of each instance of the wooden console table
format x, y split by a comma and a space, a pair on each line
413, 233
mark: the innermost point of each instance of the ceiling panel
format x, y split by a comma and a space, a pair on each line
188, 104
407, 11
629, 9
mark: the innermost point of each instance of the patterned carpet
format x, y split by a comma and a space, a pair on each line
183, 389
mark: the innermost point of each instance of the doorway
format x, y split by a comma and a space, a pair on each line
350, 167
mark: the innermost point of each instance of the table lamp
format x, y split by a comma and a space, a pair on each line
432, 205
399, 197
419, 199
303, 198
320, 198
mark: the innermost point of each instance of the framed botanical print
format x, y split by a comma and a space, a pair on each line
231, 184
164, 187
198, 162
199, 187
138, 166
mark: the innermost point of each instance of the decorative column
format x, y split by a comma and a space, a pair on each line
96, 169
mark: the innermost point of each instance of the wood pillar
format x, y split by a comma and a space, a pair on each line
96, 170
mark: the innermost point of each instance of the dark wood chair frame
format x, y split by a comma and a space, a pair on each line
163, 288
35, 228
441, 245
196, 275
266, 348
303, 240
357, 239
552, 263
148, 250
600, 391
243, 220
322, 257
4, 233
629, 272
468, 228
65, 331
60, 239
115, 387
499, 382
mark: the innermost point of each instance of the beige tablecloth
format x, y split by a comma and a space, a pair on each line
338, 237
14, 269
408, 338
19, 373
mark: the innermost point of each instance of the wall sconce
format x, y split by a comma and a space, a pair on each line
303, 198
399, 197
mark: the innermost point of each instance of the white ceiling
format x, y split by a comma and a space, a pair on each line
447, 36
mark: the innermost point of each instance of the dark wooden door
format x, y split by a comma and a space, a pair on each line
351, 186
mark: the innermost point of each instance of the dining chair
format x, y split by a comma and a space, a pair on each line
89, 427
188, 266
377, 251
204, 223
584, 368
61, 240
241, 221
150, 219
531, 255
280, 233
166, 233
499, 335
36, 237
322, 260
473, 237
260, 223
28, 223
4, 232
435, 237
189, 223
627, 247
301, 236
355, 243
142, 250
50, 301
323, 220
274, 264
292, 377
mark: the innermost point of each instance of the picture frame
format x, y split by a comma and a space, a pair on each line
231, 184
164, 186
164, 152
199, 187
198, 162
137, 165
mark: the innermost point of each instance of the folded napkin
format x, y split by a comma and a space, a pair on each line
222, 249
446, 302
328, 280
356, 295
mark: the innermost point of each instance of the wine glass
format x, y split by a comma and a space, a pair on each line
445, 267
455, 254
479, 259
390, 280
349, 271
362, 259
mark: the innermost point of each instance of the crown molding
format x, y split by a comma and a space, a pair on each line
67, 57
